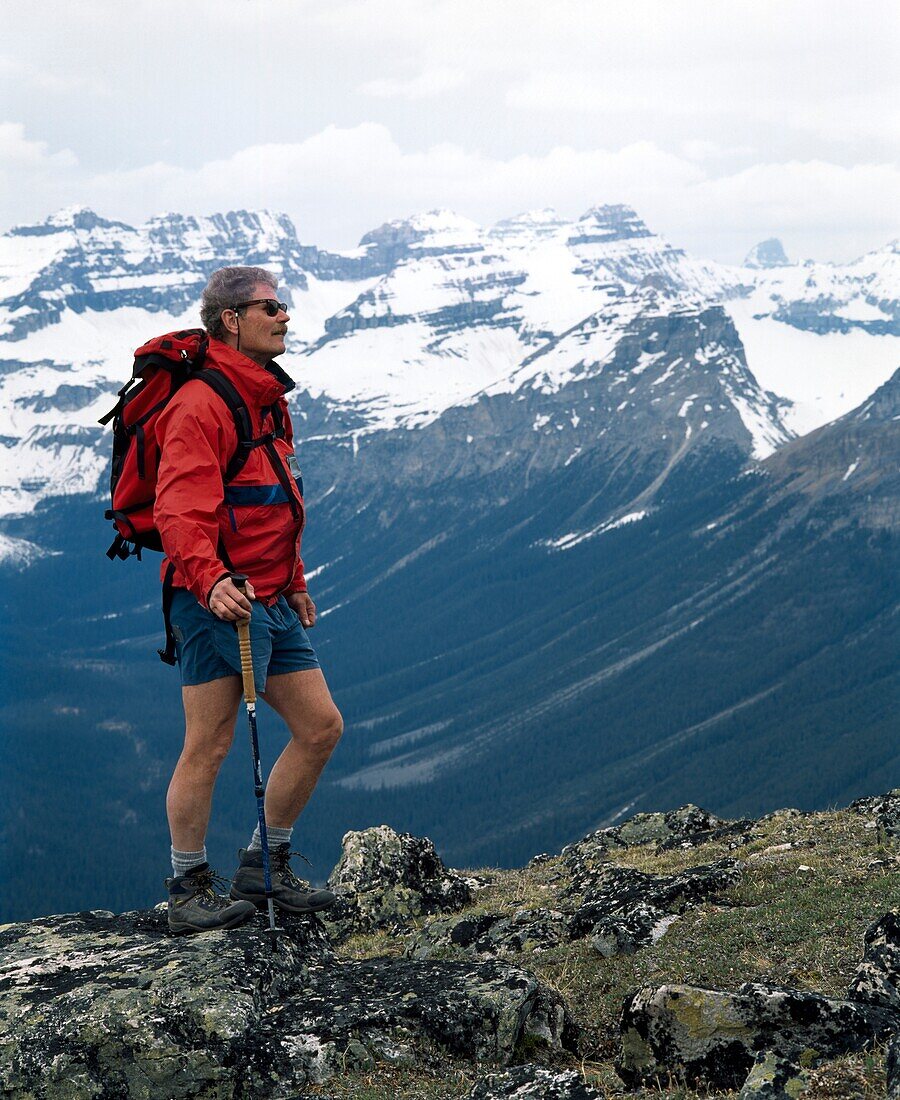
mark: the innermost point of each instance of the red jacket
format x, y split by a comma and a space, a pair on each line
252, 517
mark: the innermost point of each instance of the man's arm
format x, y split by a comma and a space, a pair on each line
196, 439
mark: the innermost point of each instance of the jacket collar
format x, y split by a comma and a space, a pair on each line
260, 385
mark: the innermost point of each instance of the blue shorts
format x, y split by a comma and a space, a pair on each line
207, 646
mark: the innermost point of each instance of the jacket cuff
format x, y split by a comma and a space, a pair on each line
206, 589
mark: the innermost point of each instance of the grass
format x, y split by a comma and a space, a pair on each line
811, 886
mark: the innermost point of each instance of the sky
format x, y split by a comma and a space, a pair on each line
722, 122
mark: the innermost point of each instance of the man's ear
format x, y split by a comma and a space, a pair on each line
230, 321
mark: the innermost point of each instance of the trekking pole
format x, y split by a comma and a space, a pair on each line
243, 629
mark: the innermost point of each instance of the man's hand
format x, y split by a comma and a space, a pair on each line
302, 603
226, 601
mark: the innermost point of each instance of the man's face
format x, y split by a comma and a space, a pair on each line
262, 336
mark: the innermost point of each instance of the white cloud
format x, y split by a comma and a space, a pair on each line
700, 149
43, 79
341, 182
19, 154
426, 84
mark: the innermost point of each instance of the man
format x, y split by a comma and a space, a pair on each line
210, 531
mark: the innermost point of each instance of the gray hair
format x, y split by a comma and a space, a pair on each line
227, 287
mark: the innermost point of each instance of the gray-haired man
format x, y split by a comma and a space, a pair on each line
209, 531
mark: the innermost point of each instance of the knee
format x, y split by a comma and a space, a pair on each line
327, 732
207, 754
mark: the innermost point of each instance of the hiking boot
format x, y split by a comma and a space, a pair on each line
194, 905
289, 893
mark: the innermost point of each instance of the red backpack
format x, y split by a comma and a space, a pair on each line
161, 367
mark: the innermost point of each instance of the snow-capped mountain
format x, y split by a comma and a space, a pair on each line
424, 316
591, 522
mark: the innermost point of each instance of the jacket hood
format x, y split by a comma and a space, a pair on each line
261, 385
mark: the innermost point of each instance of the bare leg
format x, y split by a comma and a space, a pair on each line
304, 702
210, 711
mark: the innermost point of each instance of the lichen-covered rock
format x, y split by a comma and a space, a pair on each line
386, 879
892, 1068
533, 1083
488, 934
624, 935
877, 978
98, 1006
711, 1037
122, 1007
685, 827
883, 809
774, 1077
390, 1010
638, 902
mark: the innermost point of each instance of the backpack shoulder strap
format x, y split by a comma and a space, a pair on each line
220, 385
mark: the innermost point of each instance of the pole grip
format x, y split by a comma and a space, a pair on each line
243, 629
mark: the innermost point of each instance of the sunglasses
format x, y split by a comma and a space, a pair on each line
272, 307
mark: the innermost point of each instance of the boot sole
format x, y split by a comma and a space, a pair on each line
261, 903
188, 929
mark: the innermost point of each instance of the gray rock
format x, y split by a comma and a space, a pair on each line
638, 902
711, 1037
125, 1009
388, 1009
884, 808
686, 827
98, 1006
384, 880
533, 1083
641, 925
877, 978
892, 1069
488, 934
774, 1077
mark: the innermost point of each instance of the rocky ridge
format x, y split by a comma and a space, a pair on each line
428, 982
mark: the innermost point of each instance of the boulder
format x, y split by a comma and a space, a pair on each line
531, 1082
350, 1017
489, 934
686, 827
877, 978
892, 1068
623, 934
94, 1005
384, 880
712, 1037
883, 809
774, 1077
638, 903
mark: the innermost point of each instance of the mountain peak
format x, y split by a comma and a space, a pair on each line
438, 227
69, 217
884, 404
768, 253
616, 222
529, 225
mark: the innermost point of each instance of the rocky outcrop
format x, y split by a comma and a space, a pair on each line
713, 1037
883, 810
490, 934
762, 1034
99, 1006
774, 1077
95, 1006
386, 879
533, 1083
627, 908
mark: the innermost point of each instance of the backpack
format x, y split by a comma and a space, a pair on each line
161, 367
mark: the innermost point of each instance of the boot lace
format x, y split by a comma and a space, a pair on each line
281, 866
205, 884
